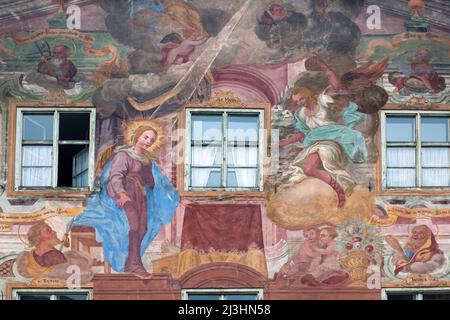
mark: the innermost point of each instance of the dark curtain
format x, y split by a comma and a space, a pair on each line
222, 227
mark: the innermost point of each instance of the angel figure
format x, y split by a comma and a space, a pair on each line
327, 129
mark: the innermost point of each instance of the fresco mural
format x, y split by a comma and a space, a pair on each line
418, 75
321, 219
46, 259
136, 199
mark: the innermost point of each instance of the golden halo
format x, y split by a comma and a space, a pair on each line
130, 128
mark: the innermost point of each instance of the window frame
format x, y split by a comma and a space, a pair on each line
16, 109
418, 147
258, 291
53, 292
418, 292
224, 112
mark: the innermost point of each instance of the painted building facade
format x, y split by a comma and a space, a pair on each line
238, 149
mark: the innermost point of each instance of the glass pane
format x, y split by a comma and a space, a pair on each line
435, 177
242, 178
205, 177
436, 296
400, 129
36, 177
242, 156
81, 161
193, 296
435, 129
401, 178
72, 297
74, 126
80, 181
401, 296
34, 296
243, 128
206, 156
244, 296
436, 157
401, 157
207, 127
37, 127
36, 156
66, 163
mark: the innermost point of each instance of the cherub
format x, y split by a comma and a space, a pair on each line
177, 50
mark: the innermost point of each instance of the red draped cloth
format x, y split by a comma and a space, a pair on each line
224, 227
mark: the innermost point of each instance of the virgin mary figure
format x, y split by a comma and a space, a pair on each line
135, 200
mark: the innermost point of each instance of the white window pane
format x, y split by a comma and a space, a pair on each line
243, 128
400, 129
204, 177
206, 156
207, 127
80, 181
37, 127
401, 157
435, 177
242, 178
36, 156
36, 177
401, 177
81, 163
435, 129
242, 156
436, 157
84, 179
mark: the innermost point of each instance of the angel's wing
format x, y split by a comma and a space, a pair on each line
356, 80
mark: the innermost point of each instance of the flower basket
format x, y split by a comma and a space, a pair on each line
356, 263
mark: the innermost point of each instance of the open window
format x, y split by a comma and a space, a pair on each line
53, 150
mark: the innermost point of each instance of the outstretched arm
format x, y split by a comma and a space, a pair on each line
296, 137
335, 81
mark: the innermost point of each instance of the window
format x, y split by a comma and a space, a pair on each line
416, 294
222, 294
224, 149
416, 149
54, 148
52, 294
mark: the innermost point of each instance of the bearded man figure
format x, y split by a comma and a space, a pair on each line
421, 254
59, 66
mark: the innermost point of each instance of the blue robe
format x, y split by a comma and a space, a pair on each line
351, 141
110, 221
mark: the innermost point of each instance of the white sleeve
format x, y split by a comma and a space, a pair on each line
324, 100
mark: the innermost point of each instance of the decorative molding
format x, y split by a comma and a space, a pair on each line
222, 99
6, 269
6, 228
55, 97
13, 218
418, 103
417, 280
395, 212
